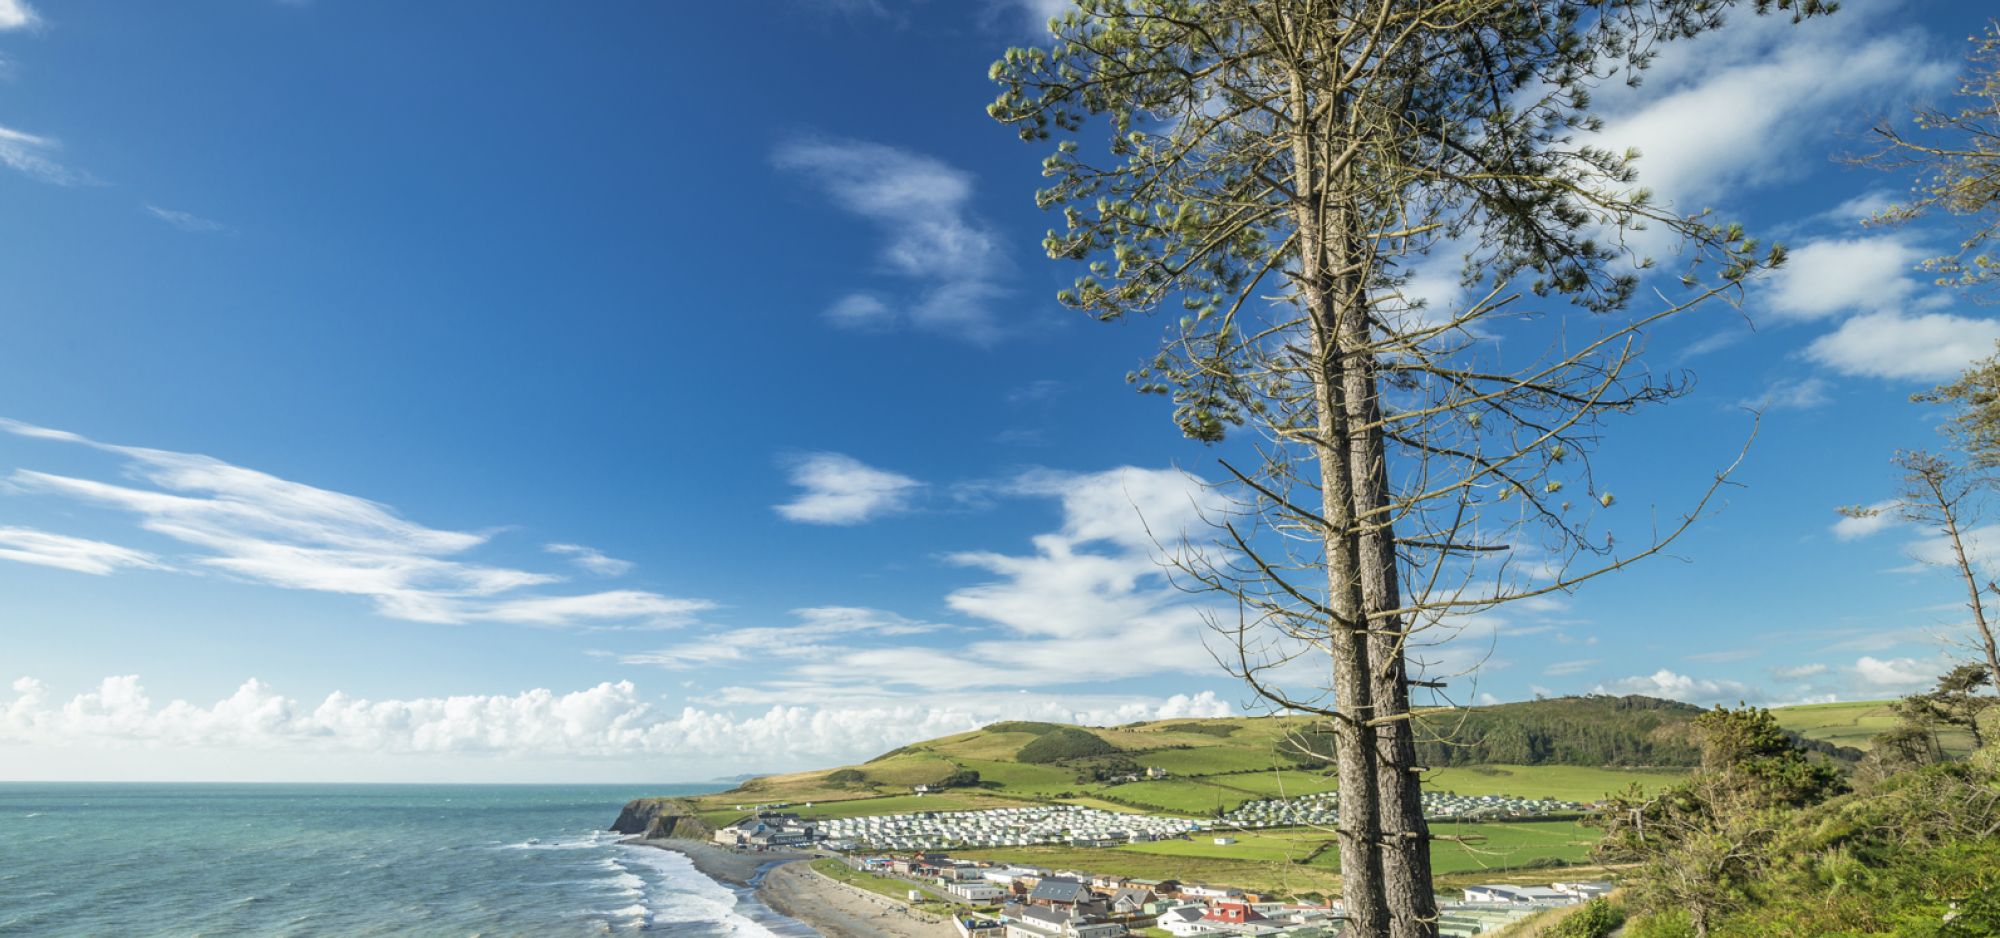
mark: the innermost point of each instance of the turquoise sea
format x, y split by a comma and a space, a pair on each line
94, 860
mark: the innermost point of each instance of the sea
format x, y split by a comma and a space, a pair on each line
94, 860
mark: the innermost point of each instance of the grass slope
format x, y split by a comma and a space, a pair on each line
1218, 764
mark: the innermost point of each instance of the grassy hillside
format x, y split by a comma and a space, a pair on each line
1574, 749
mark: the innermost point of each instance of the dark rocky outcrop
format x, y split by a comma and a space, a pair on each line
661, 817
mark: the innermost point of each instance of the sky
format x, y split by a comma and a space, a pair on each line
661, 392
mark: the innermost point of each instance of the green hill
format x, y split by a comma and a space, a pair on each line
1573, 748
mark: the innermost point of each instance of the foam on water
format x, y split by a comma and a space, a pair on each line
351, 860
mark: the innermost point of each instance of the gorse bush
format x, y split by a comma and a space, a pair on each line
1062, 744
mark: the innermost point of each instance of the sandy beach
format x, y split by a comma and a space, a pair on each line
841, 911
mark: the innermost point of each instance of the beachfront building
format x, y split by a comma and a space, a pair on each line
975, 891
768, 829
1025, 921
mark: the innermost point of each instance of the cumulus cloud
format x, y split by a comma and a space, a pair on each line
264, 529
16, 14
1835, 275
1700, 136
590, 559
843, 490
1673, 686
1900, 675
186, 221
609, 720
1922, 347
932, 240
28, 545
1092, 590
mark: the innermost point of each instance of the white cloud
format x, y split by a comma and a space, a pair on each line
822, 631
30, 155
27, 545
1673, 686
1792, 394
861, 311
264, 529
1981, 543
1901, 675
922, 207
843, 490
1094, 590
607, 721
1927, 347
17, 14
1880, 517
1561, 668
1834, 275
1798, 672
591, 559
186, 221
1700, 131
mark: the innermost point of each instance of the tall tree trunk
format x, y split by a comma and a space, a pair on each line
1359, 830
1361, 871
1406, 853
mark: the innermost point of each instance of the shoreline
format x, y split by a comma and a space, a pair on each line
784, 885
726, 866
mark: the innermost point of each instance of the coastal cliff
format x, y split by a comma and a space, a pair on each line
661, 818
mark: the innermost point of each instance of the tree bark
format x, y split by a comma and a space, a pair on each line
1406, 861
1359, 831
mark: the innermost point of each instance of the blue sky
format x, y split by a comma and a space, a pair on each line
650, 392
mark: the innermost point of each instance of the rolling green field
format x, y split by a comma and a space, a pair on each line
1278, 860
1216, 765
1843, 724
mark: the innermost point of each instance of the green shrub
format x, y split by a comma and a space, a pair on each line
848, 777
1596, 919
1064, 743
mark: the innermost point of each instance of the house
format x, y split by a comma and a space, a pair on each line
1184, 921
1131, 901
1037, 922
1154, 771
1058, 892
1233, 913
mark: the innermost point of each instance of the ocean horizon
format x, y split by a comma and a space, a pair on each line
211, 859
